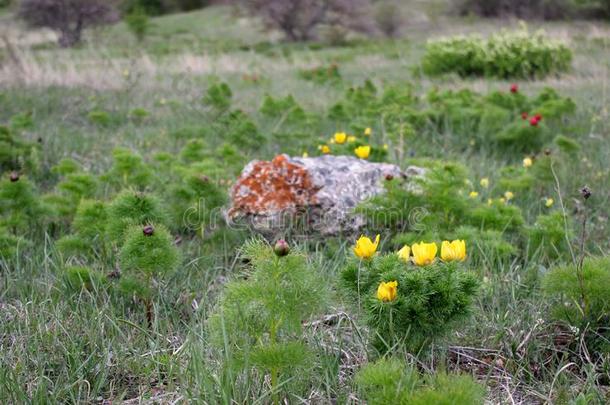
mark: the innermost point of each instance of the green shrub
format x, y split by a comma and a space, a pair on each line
391, 381
322, 74
429, 301
148, 253
582, 297
218, 96
10, 244
548, 235
506, 55
15, 153
128, 170
20, 208
258, 320
133, 208
138, 23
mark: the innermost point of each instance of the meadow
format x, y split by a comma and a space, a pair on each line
208, 91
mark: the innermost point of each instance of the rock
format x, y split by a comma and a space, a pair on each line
315, 194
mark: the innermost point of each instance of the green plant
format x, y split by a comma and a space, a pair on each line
133, 208
15, 153
20, 208
138, 23
258, 321
322, 74
391, 381
147, 255
428, 301
582, 296
505, 55
218, 96
128, 170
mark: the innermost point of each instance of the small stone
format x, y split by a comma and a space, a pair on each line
148, 230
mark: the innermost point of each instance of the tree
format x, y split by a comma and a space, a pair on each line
68, 17
298, 19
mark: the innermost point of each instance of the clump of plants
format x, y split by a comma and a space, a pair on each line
258, 320
505, 55
581, 296
410, 297
20, 207
322, 74
392, 381
147, 255
15, 153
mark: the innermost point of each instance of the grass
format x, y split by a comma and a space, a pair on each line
57, 346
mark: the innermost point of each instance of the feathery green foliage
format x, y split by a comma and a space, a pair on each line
391, 381
133, 208
429, 301
259, 319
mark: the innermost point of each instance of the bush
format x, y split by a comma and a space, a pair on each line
258, 321
138, 23
389, 19
505, 55
391, 381
68, 17
582, 296
523, 9
299, 19
429, 299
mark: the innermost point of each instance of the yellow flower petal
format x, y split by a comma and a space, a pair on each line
365, 248
424, 253
363, 152
455, 250
404, 253
387, 292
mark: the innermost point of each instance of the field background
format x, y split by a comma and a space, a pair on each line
46, 336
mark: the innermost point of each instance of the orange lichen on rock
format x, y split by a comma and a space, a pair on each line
269, 187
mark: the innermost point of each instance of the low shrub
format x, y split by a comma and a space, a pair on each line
410, 305
391, 381
582, 297
258, 320
517, 54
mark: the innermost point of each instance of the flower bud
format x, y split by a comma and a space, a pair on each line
585, 192
14, 176
281, 248
148, 230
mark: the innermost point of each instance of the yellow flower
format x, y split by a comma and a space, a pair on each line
305, 154
363, 152
366, 248
340, 137
502, 200
484, 182
424, 253
387, 291
351, 139
527, 162
385, 146
325, 149
549, 202
455, 250
509, 195
473, 194
368, 132
490, 201
404, 253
